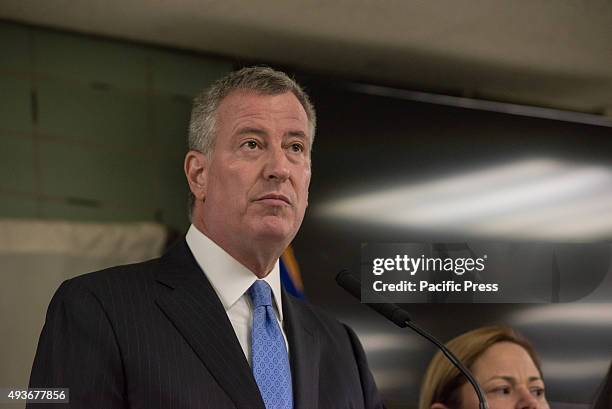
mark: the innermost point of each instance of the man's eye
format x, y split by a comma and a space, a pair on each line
250, 144
537, 391
297, 147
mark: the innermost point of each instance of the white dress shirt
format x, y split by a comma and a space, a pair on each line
231, 280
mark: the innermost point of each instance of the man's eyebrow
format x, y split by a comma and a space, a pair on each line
296, 134
250, 130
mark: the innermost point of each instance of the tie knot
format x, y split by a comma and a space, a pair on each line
261, 294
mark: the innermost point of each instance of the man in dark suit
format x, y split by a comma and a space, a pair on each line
207, 324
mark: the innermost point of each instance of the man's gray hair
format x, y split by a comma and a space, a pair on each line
261, 80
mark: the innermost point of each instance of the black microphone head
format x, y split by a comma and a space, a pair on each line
348, 281
352, 285
341, 276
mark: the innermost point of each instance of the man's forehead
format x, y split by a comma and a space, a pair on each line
253, 102
249, 109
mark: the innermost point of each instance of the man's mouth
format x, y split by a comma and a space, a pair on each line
274, 199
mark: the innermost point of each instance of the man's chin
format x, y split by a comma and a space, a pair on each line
271, 228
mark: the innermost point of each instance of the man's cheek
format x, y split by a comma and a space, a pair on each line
307, 181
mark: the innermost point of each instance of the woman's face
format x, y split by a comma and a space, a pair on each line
508, 377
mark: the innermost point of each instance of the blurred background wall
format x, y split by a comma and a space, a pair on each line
92, 136
79, 113
94, 105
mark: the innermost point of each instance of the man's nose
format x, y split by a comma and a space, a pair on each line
277, 165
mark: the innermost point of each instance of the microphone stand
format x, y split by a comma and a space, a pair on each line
401, 318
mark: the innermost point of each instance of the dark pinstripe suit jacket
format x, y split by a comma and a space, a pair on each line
155, 335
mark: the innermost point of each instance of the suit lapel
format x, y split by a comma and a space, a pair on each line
304, 353
196, 311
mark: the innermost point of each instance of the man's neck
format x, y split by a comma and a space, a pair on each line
259, 257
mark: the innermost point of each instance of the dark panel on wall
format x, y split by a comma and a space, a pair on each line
367, 144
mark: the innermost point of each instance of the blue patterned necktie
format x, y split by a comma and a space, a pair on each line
270, 361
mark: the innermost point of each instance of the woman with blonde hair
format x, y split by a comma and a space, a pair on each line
504, 364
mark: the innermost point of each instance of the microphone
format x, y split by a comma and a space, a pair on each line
400, 317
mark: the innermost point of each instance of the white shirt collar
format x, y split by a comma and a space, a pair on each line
229, 278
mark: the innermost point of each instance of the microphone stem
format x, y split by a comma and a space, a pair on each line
399, 317
482, 400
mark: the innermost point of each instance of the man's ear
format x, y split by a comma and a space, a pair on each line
196, 170
438, 406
